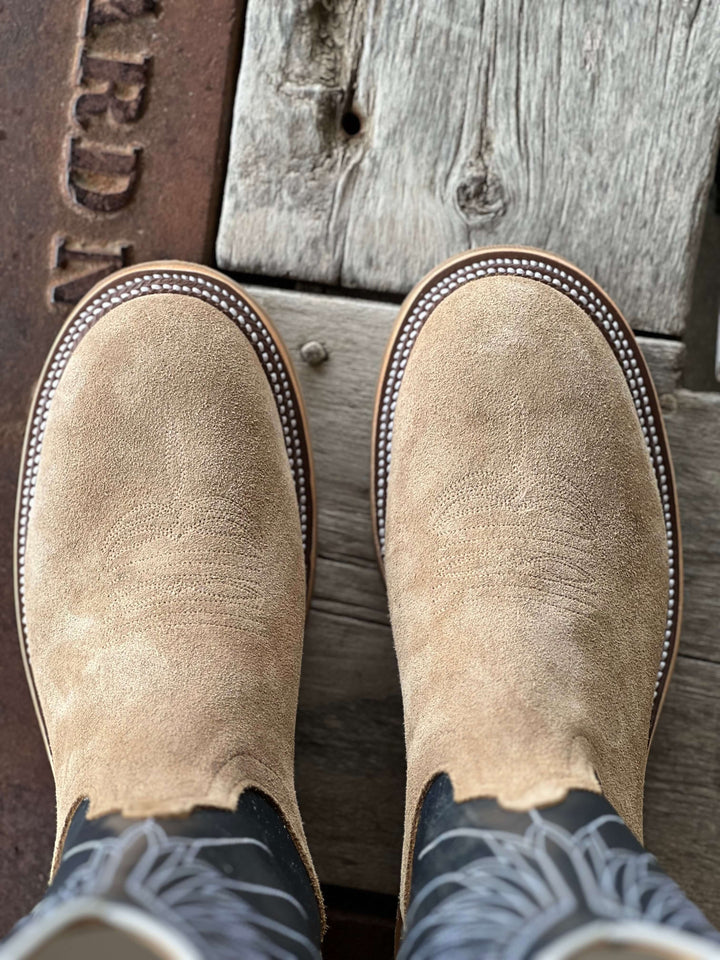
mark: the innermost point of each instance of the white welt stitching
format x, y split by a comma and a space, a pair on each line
572, 287
140, 285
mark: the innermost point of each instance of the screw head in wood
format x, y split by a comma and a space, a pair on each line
314, 353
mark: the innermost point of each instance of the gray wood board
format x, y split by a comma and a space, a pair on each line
350, 756
585, 128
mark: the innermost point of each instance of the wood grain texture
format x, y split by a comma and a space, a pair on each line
693, 425
350, 753
588, 129
682, 796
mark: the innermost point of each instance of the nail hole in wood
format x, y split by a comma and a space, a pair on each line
351, 123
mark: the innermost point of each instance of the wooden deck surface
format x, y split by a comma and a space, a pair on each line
588, 129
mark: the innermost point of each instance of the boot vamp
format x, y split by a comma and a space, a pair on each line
164, 576
526, 556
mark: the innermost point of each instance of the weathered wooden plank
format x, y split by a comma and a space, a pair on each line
350, 752
109, 112
682, 798
350, 757
587, 129
693, 423
665, 359
702, 370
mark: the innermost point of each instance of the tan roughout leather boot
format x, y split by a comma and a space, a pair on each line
165, 549
525, 512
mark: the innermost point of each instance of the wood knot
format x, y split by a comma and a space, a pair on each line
480, 196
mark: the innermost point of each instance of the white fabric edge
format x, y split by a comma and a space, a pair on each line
669, 942
151, 932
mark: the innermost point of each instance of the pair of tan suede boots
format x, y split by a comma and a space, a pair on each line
524, 513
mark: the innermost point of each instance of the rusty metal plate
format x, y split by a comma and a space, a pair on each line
113, 131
